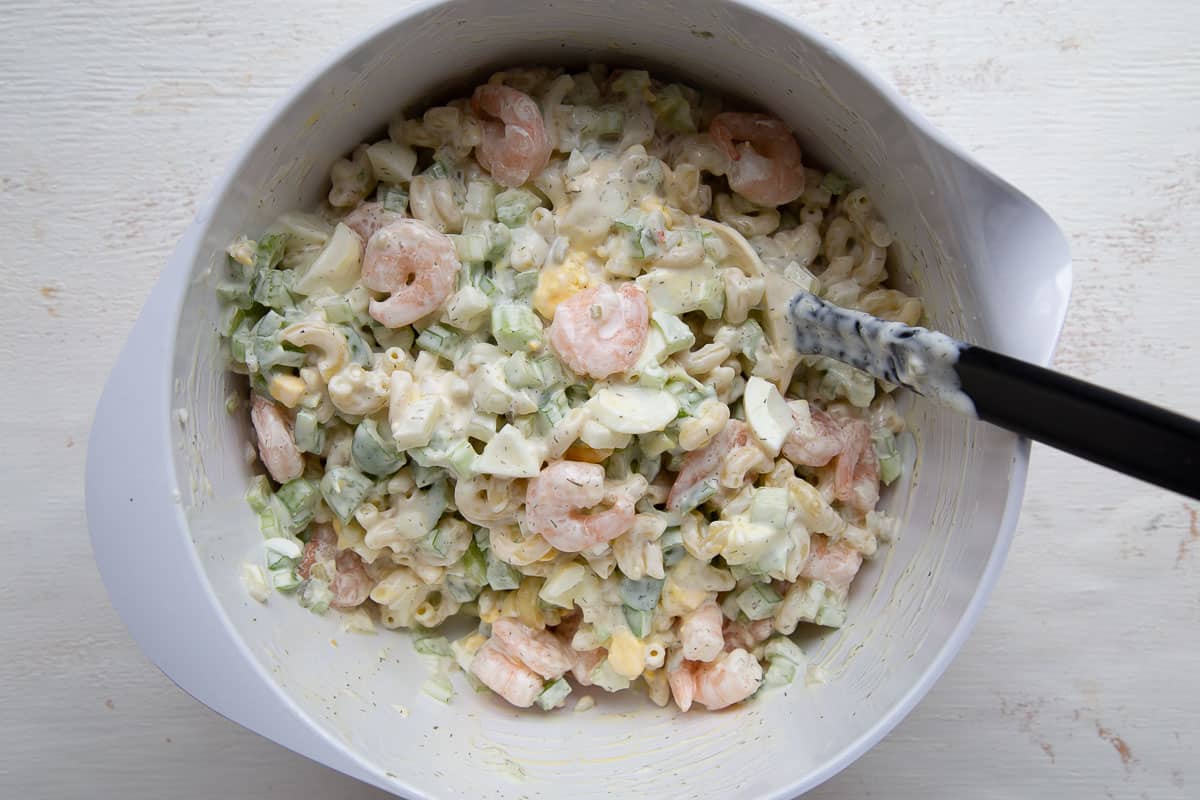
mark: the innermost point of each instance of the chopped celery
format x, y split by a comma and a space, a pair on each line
315, 595
375, 452
241, 341
554, 694
432, 645
284, 580
500, 238
470, 247
425, 476
272, 288
553, 409
300, 497
631, 82
672, 547
513, 206
831, 615
515, 327
677, 336
344, 489
550, 370
673, 111
269, 252
474, 562
834, 183
360, 351
697, 495
638, 620
231, 320
238, 290
308, 433
843, 380
481, 200
461, 589
578, 394
338, 311
388, 337
780, 672
258, 496
439, 688
689, 395
758, 601
770, 507
749, 337
526, 282
781, 648
655, 444
641, 594
607, 678
274, 521
461, 459
521, 372
501, 575
393, 198
441, 341
890, 463
606, 122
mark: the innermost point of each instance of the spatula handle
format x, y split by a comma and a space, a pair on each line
1088, 421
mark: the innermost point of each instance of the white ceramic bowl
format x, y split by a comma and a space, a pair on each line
164, 486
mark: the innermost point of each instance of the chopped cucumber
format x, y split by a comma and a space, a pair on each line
758, 601
501, 575
638, 620
554, 694
641, 594
374, 452
344, 489
515, 327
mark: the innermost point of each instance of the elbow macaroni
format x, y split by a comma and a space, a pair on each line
437, 432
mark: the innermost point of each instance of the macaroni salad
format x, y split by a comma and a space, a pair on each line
531, 364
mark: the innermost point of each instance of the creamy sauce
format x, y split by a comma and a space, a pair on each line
917, 358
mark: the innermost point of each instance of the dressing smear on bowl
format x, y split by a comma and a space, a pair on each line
531, 366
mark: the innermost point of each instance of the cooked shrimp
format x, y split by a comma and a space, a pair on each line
514, 146
601, 330
815, 438
730, 679
704, 464
832, 563
321, 546
557, 500
541, 651
745, 635
700, 632
506, 676
586, 661
351, 585
276, 446
369, 218
414, 263
766, 168
856, 481
682, 681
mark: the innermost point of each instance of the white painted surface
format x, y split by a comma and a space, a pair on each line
1079, 681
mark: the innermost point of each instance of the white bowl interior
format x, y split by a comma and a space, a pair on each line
988, 263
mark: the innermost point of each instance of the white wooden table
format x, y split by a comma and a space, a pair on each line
1079, 681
